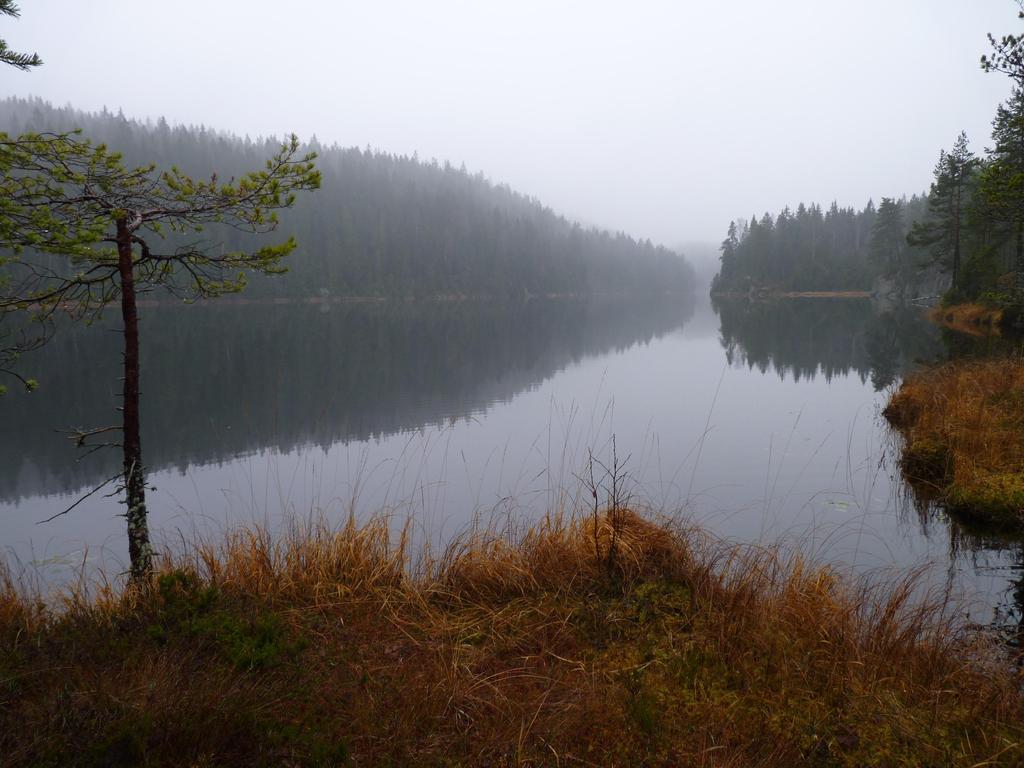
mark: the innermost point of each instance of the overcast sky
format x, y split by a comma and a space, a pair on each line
664, 119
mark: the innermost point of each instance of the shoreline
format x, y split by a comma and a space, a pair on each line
441, 298
765, 294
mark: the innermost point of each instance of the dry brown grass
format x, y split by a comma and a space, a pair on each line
327, 647
963, 430
973, 319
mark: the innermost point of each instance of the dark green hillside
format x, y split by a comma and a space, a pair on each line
389, 225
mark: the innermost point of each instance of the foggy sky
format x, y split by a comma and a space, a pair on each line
664, 119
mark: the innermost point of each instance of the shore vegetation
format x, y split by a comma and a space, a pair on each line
962, 426
611, 639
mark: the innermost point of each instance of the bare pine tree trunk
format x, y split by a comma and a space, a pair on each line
956, 261
956, 231
139, 548
1019, 266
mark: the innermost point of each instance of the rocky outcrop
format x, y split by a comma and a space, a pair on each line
929, 284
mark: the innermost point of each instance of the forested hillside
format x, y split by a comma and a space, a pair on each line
389, 225
841, 249
967, 231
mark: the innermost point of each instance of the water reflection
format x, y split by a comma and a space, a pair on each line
997, 553
804, 338
223, 380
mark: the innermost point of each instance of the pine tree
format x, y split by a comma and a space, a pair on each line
728, 258
888, 244
948, 199
1001, 182
86, 232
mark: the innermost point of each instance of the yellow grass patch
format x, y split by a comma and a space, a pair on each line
963, 430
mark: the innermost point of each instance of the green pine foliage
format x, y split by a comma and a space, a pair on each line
974, 225
945, 229
1001, 183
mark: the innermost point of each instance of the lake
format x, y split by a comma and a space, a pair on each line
759, 421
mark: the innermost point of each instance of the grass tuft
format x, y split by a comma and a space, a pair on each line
328, 647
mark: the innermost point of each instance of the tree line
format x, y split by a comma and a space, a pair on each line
387, 225
969, 226
811, 249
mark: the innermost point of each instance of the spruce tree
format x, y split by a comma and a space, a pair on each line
728, 258
942, 232
888, 245
1001, 182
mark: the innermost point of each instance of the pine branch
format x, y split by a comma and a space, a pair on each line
22, 61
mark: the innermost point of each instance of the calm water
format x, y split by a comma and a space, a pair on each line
758, 421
